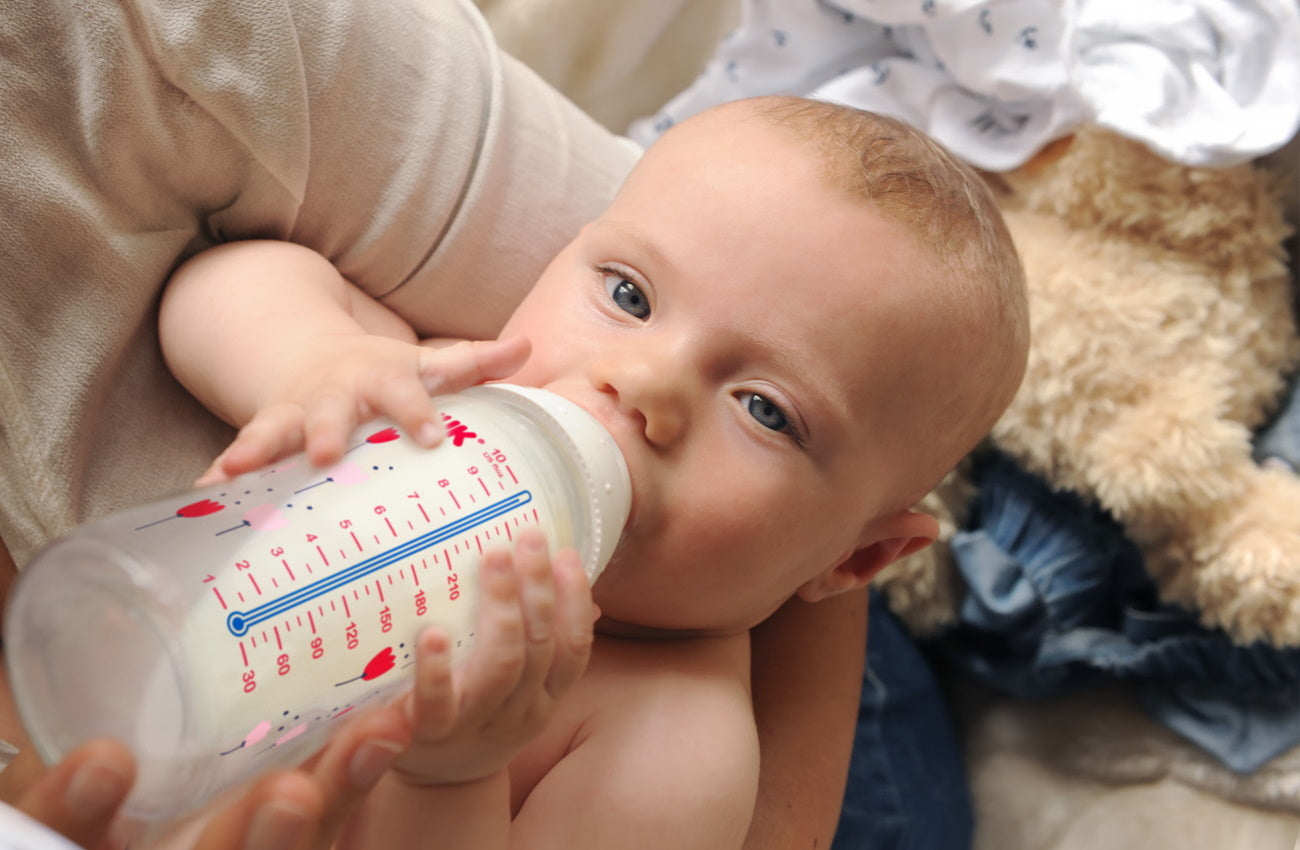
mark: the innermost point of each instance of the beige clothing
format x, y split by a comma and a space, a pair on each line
390, 135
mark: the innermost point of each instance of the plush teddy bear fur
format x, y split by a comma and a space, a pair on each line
1163, 331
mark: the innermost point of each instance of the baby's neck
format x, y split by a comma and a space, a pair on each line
606, 627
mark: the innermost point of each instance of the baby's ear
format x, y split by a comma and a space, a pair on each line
883, 542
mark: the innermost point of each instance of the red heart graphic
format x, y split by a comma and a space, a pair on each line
385, 436
383, 661
203, 507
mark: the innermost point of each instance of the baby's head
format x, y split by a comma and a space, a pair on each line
794, 318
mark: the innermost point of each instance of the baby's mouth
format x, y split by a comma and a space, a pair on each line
614, 423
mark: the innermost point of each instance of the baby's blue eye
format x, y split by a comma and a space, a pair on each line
766, 413
628, 296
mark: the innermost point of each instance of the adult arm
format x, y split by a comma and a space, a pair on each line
807, 677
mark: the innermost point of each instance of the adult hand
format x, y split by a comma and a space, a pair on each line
80, 796
301, 809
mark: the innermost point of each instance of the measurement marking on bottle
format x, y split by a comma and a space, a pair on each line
239, 622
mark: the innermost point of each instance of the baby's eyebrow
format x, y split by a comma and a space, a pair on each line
643, 243
819, 398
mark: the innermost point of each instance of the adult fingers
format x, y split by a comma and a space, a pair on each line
280, 811
80, 796
352, 764
306, 809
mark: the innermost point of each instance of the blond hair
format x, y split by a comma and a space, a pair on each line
907, 177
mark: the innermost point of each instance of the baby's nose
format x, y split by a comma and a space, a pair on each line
650, 390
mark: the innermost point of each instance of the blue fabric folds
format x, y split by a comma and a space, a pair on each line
1280, 441
1058, 598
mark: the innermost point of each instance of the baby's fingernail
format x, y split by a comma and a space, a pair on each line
370, 762
96, 789
429, 435
275, 826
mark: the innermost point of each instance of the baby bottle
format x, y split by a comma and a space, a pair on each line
227, 630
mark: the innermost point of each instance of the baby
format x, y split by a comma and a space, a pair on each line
794, 319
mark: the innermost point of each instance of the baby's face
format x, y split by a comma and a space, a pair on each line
741, 331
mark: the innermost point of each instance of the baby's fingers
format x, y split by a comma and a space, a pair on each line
492, 671
403, 399
433, 705
533, 565
465, 364
575, 614
327, 424
275, 432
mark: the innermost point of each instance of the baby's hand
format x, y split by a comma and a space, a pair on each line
533, 641
347, 380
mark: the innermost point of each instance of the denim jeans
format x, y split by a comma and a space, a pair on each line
1058, 599
907, 786
1280, 440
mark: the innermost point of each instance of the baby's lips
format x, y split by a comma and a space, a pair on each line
625, 434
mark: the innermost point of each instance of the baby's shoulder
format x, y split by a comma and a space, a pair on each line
645, 688
659, 732
668, 690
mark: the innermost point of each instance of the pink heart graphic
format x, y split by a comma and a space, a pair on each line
258, 733
265, 518
347, 473
291, 734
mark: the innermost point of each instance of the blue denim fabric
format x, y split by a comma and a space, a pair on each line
907, 786
1280, 440
1058, 598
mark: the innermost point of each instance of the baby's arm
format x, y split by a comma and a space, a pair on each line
533, 638
270, 337
654, 747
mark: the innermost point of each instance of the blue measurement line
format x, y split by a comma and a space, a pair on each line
239, 622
